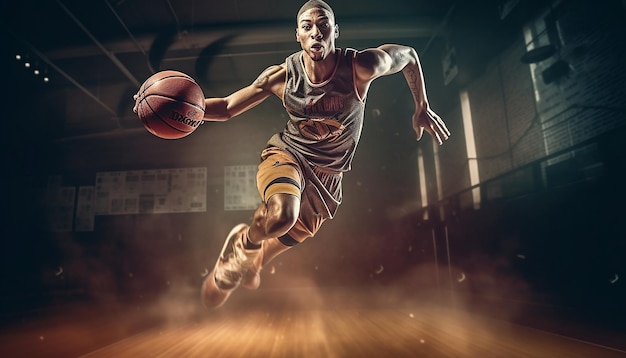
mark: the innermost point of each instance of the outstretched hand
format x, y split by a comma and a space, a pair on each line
136, 99
429, 121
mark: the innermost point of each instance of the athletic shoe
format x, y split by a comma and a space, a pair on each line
252, 277
232, 264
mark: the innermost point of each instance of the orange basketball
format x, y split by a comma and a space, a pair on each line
171, 104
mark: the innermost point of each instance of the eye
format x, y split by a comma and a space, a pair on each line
306, 27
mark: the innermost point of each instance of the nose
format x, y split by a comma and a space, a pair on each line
316, 33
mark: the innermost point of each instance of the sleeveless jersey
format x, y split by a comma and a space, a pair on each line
326, 119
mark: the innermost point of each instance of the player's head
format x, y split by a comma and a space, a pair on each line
315, 4
316, 31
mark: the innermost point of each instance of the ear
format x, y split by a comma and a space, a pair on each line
297, 38
336, 31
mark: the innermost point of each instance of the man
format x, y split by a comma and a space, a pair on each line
323, 89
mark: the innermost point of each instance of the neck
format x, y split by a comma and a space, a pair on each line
320, 71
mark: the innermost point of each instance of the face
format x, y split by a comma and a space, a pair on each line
316, 33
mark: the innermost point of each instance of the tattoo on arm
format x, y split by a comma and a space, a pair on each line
264, 77
262, 80
416, 85
414, 81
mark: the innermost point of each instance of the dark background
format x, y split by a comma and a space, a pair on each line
548, 233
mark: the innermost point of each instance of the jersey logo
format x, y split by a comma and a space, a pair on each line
321, 129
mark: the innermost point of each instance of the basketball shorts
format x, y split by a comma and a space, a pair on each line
319, 191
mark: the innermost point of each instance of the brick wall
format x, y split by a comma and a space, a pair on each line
584, 103
517, 120
504, 116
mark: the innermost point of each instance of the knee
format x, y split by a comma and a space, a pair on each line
282, 213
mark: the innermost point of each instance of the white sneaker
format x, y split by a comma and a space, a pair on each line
252, 277
234, 261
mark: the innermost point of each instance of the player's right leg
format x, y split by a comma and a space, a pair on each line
269, 250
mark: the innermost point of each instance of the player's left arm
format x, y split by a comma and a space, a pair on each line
390, 59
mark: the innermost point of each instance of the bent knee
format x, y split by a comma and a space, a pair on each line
282, 214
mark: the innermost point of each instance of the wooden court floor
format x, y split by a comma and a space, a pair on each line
264, 327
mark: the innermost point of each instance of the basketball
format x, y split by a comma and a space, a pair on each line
170, 104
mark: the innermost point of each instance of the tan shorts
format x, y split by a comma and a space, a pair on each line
280, 172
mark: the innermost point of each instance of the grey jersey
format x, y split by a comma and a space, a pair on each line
326, 119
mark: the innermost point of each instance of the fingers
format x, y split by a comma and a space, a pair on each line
420, 132
434, 133
135, 97
438, 138
438, 128
430, 122
442, 127
439, 124
442, 131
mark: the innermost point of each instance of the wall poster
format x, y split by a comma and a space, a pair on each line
180, 190
240, 191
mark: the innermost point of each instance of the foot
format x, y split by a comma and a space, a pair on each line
252, 277
231, 266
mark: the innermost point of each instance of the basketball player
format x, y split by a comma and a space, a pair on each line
323, 89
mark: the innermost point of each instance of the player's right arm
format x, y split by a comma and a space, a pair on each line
271, 81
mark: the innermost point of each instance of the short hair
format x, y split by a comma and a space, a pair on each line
315, 4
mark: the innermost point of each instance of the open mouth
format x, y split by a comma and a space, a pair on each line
316, 48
